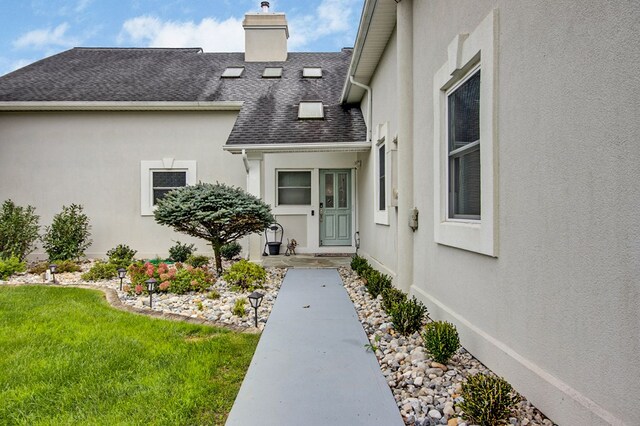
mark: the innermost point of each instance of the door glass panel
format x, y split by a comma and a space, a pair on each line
342, 190
328, 191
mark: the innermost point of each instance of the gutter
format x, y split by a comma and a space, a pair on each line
369, 105
299, 147
119, 106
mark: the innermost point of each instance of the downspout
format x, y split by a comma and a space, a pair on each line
369, 104
245, 160
369, 137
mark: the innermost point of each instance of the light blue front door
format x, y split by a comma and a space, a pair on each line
335, 207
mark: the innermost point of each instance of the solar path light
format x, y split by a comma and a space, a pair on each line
121, 274
151, 286
255, 299
53, 268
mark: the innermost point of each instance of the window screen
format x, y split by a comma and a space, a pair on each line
463, 113
382, 200
165, 181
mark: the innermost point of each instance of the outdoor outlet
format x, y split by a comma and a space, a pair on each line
413, 219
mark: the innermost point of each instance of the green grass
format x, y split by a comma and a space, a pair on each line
67, 357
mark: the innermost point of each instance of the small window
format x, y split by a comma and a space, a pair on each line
272, 72
165, 181
463, 116
294, 188
382, 198
233, 72
158, 177
312, 72
310, 110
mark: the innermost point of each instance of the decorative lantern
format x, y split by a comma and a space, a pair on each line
151, 286
121, 274
53, 268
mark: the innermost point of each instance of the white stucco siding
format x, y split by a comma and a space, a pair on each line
297, 220
379, 241
556, 311
53, 159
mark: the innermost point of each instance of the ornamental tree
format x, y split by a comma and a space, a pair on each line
218, 213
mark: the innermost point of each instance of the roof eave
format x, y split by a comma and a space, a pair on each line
24, 106
355, 146
374, 12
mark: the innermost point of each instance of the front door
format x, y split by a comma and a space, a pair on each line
335, 207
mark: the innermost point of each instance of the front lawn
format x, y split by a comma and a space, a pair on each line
67, 357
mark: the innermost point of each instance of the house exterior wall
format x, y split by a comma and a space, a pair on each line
379, 241
556, 312
93, 158
298, 221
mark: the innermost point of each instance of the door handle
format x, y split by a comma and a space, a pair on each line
321, 211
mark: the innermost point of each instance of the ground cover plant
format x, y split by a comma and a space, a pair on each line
10, 266
62, 267
66, 357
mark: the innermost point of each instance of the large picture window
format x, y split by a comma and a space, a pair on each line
463, 116
294, 187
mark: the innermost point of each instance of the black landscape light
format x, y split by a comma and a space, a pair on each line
53, 268
121, 274
151, 286
255, 299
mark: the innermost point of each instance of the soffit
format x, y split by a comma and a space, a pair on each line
376, 26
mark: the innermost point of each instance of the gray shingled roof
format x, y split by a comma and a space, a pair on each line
270, 111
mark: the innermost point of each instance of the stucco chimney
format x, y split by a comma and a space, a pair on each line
265, 36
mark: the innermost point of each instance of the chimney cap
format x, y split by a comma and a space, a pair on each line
265, 6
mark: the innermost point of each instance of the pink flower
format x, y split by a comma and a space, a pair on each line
164, 286
172, 273
138, 289
126, 288
164, 277
194, 283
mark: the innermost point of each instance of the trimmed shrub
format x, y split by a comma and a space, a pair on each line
198, 260
358, 262
488, 400
407, 316
101, 271
121, 256
377, 282
231, 250
245, 276
10, 266
181, 252
441, 340
18, 230
238, 307
68, 236
392, 296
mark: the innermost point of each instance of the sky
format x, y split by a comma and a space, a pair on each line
34, 29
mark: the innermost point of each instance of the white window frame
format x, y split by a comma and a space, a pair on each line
381, 217
311, 110
277, 186
312, 72
147, 167
466, 54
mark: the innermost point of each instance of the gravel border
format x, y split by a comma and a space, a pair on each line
426, 392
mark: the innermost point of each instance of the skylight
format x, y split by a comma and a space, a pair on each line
312, 72
233, 72
310, 110
272, 72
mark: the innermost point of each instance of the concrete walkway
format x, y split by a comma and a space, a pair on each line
311, 366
